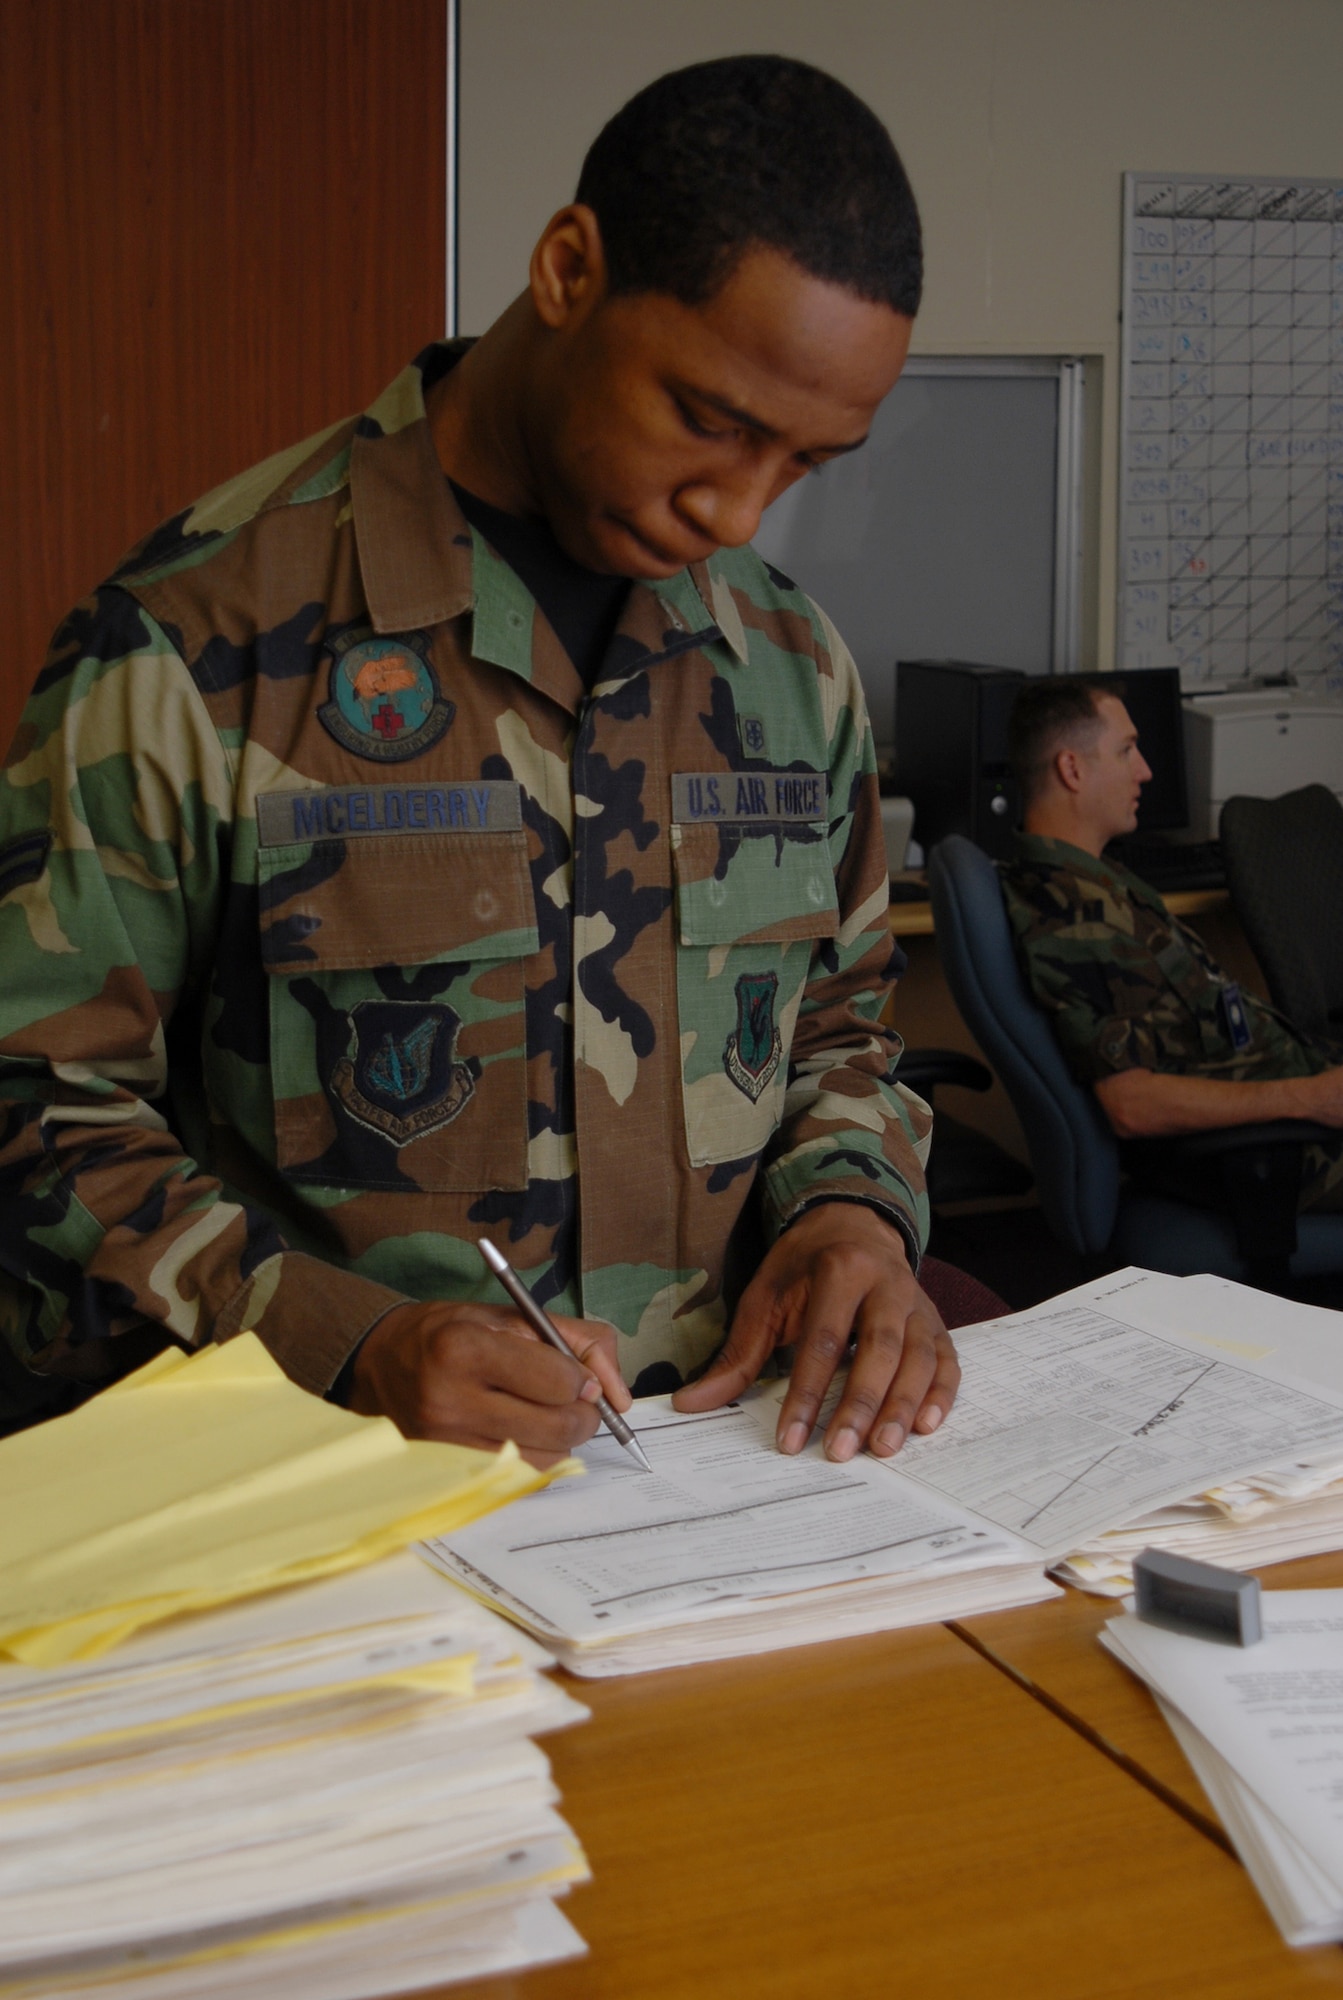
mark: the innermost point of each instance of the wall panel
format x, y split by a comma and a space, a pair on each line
222, 227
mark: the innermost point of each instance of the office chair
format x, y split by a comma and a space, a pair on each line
1079, 1164
964, 1164
961, 1299
1284, 868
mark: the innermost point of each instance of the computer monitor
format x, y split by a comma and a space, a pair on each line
1152, 697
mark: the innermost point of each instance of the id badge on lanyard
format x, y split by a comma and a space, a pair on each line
1234, 1018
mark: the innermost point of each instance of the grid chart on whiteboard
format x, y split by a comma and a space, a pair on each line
1231, 429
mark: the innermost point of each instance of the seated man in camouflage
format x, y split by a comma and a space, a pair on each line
452, 828
1141, 1010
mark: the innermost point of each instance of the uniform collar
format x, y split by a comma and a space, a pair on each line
1045, 851
414, 546
1038, 850
421, 564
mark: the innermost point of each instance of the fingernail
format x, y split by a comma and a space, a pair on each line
889, 1439
793, 1438
930, 1419
590, 1390
843, 1444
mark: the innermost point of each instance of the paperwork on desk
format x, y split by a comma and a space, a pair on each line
1262, 1727
205, 1478
730, 1548
1280, 1492
326, 1793
1189, 1414
1184, 1413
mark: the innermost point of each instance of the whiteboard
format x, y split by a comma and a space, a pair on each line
955, 532
1231, 429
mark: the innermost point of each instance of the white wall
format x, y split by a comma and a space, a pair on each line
1015, 118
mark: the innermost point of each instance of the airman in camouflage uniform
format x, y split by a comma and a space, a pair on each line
317, 858
342, 925
1127, 985
1129, 988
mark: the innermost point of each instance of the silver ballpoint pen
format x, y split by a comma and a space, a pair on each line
539, 1319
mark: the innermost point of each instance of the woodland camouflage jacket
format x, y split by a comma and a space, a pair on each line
1127, 985
341, 927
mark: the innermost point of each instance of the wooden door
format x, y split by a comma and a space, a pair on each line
223, 226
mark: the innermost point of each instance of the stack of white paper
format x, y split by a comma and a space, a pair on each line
1187, 1413
1262, 1727
328, 1791
1274, 1511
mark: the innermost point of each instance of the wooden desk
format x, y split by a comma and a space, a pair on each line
1052, 1650
885, 1815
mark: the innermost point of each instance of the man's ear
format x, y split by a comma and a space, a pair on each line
568, 268
1068, 769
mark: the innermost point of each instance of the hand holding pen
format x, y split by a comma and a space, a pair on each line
474, 1372
541, 1322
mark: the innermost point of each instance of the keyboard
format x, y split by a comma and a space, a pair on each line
1171, 864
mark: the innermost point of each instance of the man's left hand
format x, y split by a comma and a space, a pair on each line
840, 1270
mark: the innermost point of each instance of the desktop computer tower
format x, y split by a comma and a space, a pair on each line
951, 751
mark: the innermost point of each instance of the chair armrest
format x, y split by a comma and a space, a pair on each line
1154, 1159
1254, 1171
1245, 1138
924, 1069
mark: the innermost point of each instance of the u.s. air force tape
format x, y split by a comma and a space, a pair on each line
345, 812
749, 795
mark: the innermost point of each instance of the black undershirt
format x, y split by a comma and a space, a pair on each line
582, 605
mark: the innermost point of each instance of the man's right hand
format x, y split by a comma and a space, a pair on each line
477, 1374
1325, 1096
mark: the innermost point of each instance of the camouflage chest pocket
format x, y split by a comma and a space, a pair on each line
395, 945
750, 907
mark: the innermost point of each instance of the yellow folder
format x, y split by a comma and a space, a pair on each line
207, 1477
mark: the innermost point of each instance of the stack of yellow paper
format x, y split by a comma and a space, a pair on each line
325, 1792
205, 1478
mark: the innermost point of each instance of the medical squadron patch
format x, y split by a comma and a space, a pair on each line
383, 698
751, 730
400, 1074
752, 1051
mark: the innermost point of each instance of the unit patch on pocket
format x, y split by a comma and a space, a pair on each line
754, 1049
400, 1074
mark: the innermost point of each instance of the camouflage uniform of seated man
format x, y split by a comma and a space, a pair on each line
1142, 1011
452, 828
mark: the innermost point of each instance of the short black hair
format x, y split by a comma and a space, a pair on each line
1047, 716
749, 151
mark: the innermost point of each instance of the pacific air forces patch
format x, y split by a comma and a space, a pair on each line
400, 1074
754, 1048
383, 698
